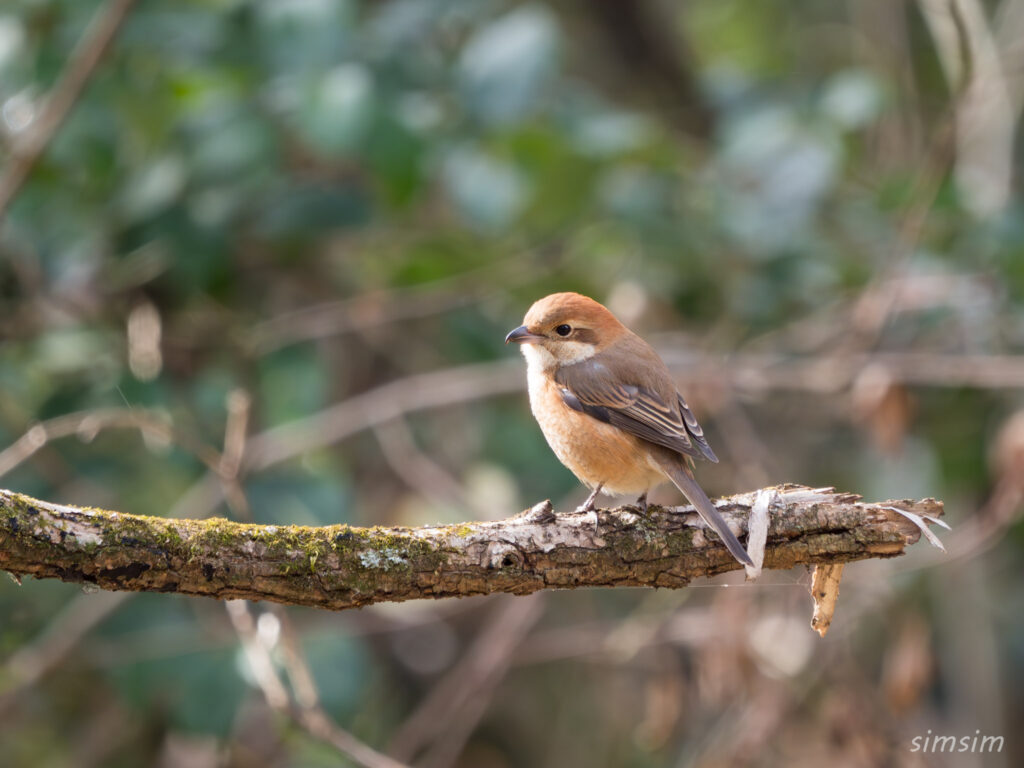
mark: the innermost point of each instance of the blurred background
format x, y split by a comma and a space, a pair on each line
257, 259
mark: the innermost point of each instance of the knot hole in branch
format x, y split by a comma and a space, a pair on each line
503, 555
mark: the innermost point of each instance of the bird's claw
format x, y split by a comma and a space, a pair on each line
588, 505
641, 504
588, 508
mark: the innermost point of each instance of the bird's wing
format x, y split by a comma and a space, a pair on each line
595, 388
695, 431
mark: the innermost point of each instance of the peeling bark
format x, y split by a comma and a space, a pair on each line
825, 591
341, 566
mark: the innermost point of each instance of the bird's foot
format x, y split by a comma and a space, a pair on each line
590, 509
588, 506
641, 503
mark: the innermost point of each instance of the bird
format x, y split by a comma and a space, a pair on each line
609, 407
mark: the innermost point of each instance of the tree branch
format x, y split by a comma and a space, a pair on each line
62, 98
340, 566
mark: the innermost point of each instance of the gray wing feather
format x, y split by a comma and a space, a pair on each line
695, 431
591, 388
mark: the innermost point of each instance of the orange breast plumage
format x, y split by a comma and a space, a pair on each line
597, 453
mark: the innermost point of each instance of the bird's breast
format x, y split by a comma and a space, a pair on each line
597, 453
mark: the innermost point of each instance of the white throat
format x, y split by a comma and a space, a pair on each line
539, 360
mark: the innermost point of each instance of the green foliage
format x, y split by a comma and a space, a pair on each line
388, 186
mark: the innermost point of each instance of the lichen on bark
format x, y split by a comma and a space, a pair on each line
342, 566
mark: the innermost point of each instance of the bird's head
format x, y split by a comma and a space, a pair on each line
565, 328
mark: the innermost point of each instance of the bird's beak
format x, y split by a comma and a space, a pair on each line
522, 335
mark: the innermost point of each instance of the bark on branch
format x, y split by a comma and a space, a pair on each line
340, 566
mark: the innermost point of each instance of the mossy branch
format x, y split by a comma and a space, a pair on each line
341, 566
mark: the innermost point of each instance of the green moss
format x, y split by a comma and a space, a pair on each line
386, 550
169, 538
646, 540
360, 559
680, 542
647, 528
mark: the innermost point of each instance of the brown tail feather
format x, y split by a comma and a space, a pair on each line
679, 475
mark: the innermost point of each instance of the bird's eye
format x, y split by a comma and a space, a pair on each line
563, 330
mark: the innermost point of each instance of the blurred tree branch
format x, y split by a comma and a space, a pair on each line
338, 567
26, 150
753, 373
653, 57
980, 58
305, 710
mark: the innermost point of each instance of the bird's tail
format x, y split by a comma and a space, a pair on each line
684, 482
